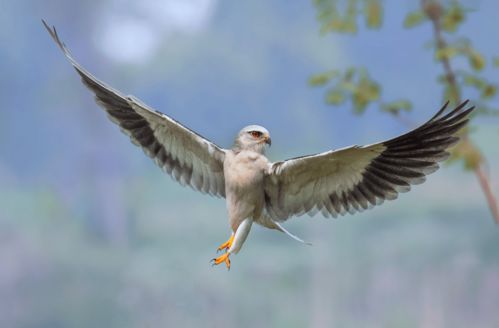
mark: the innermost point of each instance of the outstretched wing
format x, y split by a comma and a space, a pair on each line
356, 178
186, 156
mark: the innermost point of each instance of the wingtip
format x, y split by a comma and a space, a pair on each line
55, 36
471, 109
462, 106
49, 29
440, 112
53, 33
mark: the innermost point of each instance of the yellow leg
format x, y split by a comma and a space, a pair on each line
225, 246
222, 258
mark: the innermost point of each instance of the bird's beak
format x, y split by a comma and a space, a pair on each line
268, 141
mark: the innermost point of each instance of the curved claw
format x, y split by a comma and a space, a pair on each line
224, 258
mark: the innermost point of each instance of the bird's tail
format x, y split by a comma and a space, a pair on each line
281, 228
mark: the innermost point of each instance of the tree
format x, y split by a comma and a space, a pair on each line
355, 84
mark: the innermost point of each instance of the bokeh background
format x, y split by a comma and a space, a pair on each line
92, 234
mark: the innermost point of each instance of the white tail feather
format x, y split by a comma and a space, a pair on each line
281, 228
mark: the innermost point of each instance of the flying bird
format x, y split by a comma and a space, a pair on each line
334, 182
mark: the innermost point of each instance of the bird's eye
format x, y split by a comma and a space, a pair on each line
256, 134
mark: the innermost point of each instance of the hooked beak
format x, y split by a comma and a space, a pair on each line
268, 141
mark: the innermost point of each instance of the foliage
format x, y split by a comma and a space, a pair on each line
446, 18
337, 16
357, 86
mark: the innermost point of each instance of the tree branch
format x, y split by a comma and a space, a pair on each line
434, 12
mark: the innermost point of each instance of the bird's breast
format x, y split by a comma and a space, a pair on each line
244, 171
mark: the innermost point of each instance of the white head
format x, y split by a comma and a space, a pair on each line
253, 137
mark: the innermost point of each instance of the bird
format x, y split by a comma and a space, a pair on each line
258, 191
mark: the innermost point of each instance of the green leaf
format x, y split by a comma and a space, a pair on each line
349, 26
319, 79
495, 61
414, 18
349, 74
360, 102
489, 91
335, 24
371, 90
452, 18
395, 107
446, 53
373, 12
348, 86
476, 60
335, 97
474, 81
333, 21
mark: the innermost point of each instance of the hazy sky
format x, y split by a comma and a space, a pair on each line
216, 66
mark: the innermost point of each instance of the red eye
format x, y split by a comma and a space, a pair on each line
256, 134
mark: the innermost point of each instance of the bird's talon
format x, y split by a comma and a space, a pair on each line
226, 246
224, 258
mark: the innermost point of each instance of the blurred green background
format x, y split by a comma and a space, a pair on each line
92, 234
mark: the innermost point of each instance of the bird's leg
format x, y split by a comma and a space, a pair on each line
225, 246
236, 242
240, 236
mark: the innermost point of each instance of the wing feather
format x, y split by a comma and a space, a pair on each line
186, 156
356, 178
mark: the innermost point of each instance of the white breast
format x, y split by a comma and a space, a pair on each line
244, 173
244, 170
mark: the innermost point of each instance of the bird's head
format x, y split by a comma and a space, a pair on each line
253, 137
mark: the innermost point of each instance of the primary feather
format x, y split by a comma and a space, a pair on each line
186, 156
355, 178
